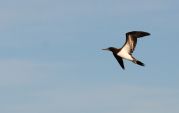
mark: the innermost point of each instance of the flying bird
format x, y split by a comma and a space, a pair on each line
127, 49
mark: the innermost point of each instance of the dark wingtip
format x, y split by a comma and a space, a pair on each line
144, 33
138, 33
147, 33
123, 68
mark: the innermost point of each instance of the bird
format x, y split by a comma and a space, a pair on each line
125, 52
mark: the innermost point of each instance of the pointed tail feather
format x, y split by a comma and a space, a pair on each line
139, 63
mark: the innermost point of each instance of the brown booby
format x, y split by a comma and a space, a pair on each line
127, 49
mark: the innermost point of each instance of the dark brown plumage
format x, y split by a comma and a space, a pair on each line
127, 49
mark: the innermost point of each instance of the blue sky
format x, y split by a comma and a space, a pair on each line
51, 59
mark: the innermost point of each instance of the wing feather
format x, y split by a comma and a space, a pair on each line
131, 40
119, 59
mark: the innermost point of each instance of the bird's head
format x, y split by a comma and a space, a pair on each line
112, 49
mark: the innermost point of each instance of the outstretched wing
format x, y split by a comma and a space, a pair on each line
131, 40
120, 61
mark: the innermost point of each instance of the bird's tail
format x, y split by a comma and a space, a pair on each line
139, 62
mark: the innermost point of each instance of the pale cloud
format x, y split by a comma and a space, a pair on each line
15, 72
115, 98
70, 97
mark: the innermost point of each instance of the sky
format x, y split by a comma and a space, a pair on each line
51, 59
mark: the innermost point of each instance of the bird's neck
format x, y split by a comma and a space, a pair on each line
116, 50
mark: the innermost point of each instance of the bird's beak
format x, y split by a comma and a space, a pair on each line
106, 49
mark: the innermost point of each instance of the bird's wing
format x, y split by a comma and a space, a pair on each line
120, 61
131, 40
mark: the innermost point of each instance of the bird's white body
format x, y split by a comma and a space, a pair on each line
124, 54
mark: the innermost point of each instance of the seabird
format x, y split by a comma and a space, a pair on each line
127, 49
